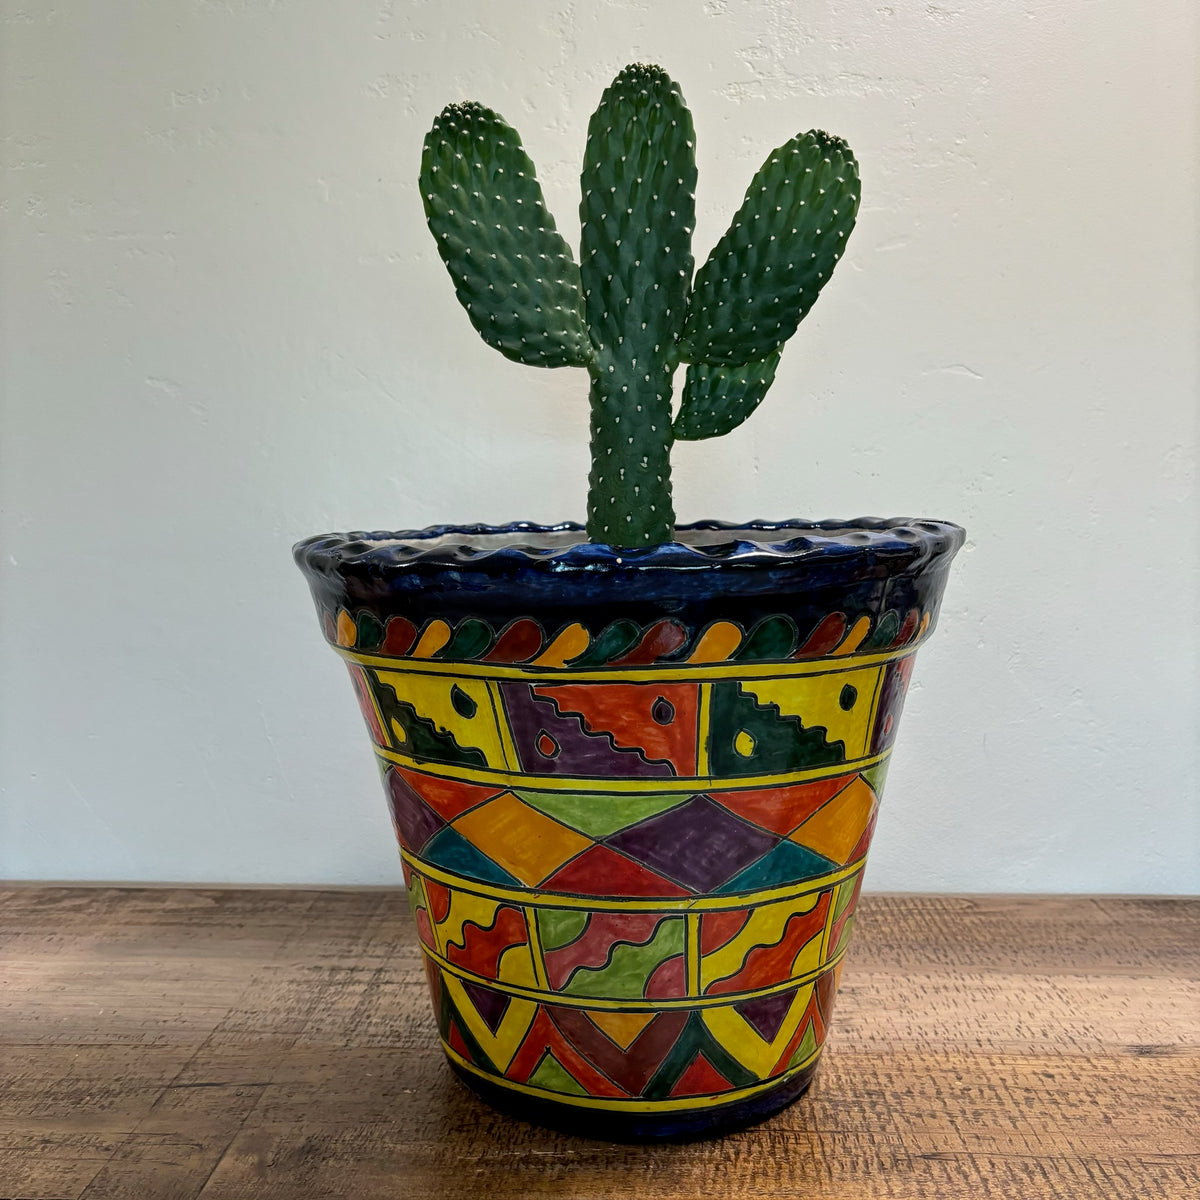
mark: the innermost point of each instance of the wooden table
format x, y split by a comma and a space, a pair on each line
263, 1044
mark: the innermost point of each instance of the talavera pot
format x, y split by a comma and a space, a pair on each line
634, 792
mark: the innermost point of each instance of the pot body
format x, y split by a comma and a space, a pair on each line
634, 793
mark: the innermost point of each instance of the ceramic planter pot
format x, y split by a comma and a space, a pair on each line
634, 793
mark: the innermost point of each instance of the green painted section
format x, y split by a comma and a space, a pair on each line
629, 967
614, 641
368, 632
560, 926
554, 1077
788, 863
418, 735
469, 641
695, 1039
844, 896
452, 852
807, 1047
885, 633
779, 741
876, 776
596, 815
773, 638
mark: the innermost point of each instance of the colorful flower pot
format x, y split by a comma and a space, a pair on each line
634, 792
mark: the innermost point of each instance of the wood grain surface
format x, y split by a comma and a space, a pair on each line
271, 1044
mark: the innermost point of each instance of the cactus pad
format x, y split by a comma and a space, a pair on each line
717, 399
630, 312
768, 269
512, 270
637, 213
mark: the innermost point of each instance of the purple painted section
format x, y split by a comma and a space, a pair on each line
766, 1013
414, 818
700, 844
579, 752
490, 1005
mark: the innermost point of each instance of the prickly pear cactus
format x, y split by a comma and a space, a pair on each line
629, 312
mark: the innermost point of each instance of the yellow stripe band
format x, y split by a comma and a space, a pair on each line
656, 673
651, 785
566, 1000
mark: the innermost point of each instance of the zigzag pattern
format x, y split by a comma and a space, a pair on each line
557, 1049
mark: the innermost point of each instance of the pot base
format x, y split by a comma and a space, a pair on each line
640, 1127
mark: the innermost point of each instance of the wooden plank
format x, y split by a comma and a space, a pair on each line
276, 1044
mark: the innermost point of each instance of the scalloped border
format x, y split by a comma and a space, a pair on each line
914, 542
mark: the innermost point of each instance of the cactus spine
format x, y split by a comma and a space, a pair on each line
629, 312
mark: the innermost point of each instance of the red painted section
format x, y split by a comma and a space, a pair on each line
447, 797
782, 809
824, 638
767, 965
603, 872
716, 928
661, 639
627, 712
481, 948
399, 637
520, 641
700, 1079
668, 980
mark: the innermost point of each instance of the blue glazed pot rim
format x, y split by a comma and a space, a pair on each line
502, 551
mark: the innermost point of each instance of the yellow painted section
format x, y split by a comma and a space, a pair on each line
816, 700
811, 958
507, 745
834, 829
526, 843
543, 670
346, 632
436, 635
740, 1039
430, 697
691, 957
516, 967
764, 928
609, 785
536, 950
704, 729
634, 1106
855, 637
716, 643
622, 1027
744, 743
514, 1025
464, 909
571, 643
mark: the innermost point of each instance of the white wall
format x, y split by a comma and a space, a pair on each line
225, 328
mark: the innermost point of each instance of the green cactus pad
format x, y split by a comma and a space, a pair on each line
717, 399
637, 213
768, 269
512, 271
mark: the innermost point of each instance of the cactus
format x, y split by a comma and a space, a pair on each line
629, 311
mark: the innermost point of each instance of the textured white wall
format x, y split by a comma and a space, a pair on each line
225, 328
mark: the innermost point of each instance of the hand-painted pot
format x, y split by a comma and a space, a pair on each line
634, 792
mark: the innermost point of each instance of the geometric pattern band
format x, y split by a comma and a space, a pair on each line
634, 889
